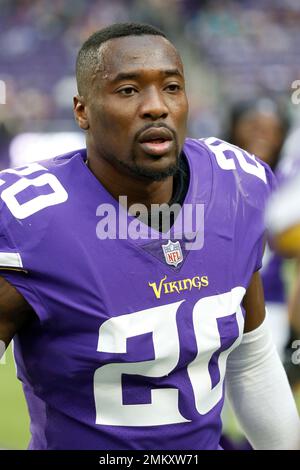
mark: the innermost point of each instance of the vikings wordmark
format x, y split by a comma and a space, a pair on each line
178, 286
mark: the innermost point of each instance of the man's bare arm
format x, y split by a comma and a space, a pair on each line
15, 312
254, 304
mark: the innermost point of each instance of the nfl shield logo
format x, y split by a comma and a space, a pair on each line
173, 253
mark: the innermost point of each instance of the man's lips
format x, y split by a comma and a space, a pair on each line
156, 141
157, 148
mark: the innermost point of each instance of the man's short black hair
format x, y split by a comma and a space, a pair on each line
88, 57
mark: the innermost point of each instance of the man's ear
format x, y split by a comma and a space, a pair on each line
80, 112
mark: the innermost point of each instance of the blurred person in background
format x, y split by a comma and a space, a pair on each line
260, 126
283, 217
283, 222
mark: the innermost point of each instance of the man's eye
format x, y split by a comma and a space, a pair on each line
128, 91
173, 87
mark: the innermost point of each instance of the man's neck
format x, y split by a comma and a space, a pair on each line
137, 190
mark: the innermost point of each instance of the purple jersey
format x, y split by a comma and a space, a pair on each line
131, 339
272, 273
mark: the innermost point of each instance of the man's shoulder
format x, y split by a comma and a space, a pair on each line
50, 164
59, 161
231, 164
26, 191
34, 200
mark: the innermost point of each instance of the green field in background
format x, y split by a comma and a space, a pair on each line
14, 421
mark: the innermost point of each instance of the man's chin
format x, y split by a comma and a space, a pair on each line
156, 175
154, 168
152, 173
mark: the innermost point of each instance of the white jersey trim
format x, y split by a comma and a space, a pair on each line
10, 260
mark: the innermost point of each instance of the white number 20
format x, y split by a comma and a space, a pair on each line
22, 211
229, 163
161, 322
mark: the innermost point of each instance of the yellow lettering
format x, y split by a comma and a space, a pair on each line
180, 286
173, 287
157, 291
166, 288
196, 281
185, 282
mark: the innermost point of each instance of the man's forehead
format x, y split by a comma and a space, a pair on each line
138, 52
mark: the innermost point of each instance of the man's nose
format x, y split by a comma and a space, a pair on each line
153, 105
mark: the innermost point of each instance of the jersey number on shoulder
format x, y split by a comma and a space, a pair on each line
20, 210
235, 155
161, 323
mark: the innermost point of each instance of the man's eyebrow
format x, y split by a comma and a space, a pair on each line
136, 75
126, 76
171, 72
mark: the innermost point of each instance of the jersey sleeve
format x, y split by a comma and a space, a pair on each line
271, 185
10, 256
32, 199
13, 267
247, 182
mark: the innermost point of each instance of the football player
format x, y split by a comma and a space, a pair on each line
124, 333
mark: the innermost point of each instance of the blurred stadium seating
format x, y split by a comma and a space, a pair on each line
232, 50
